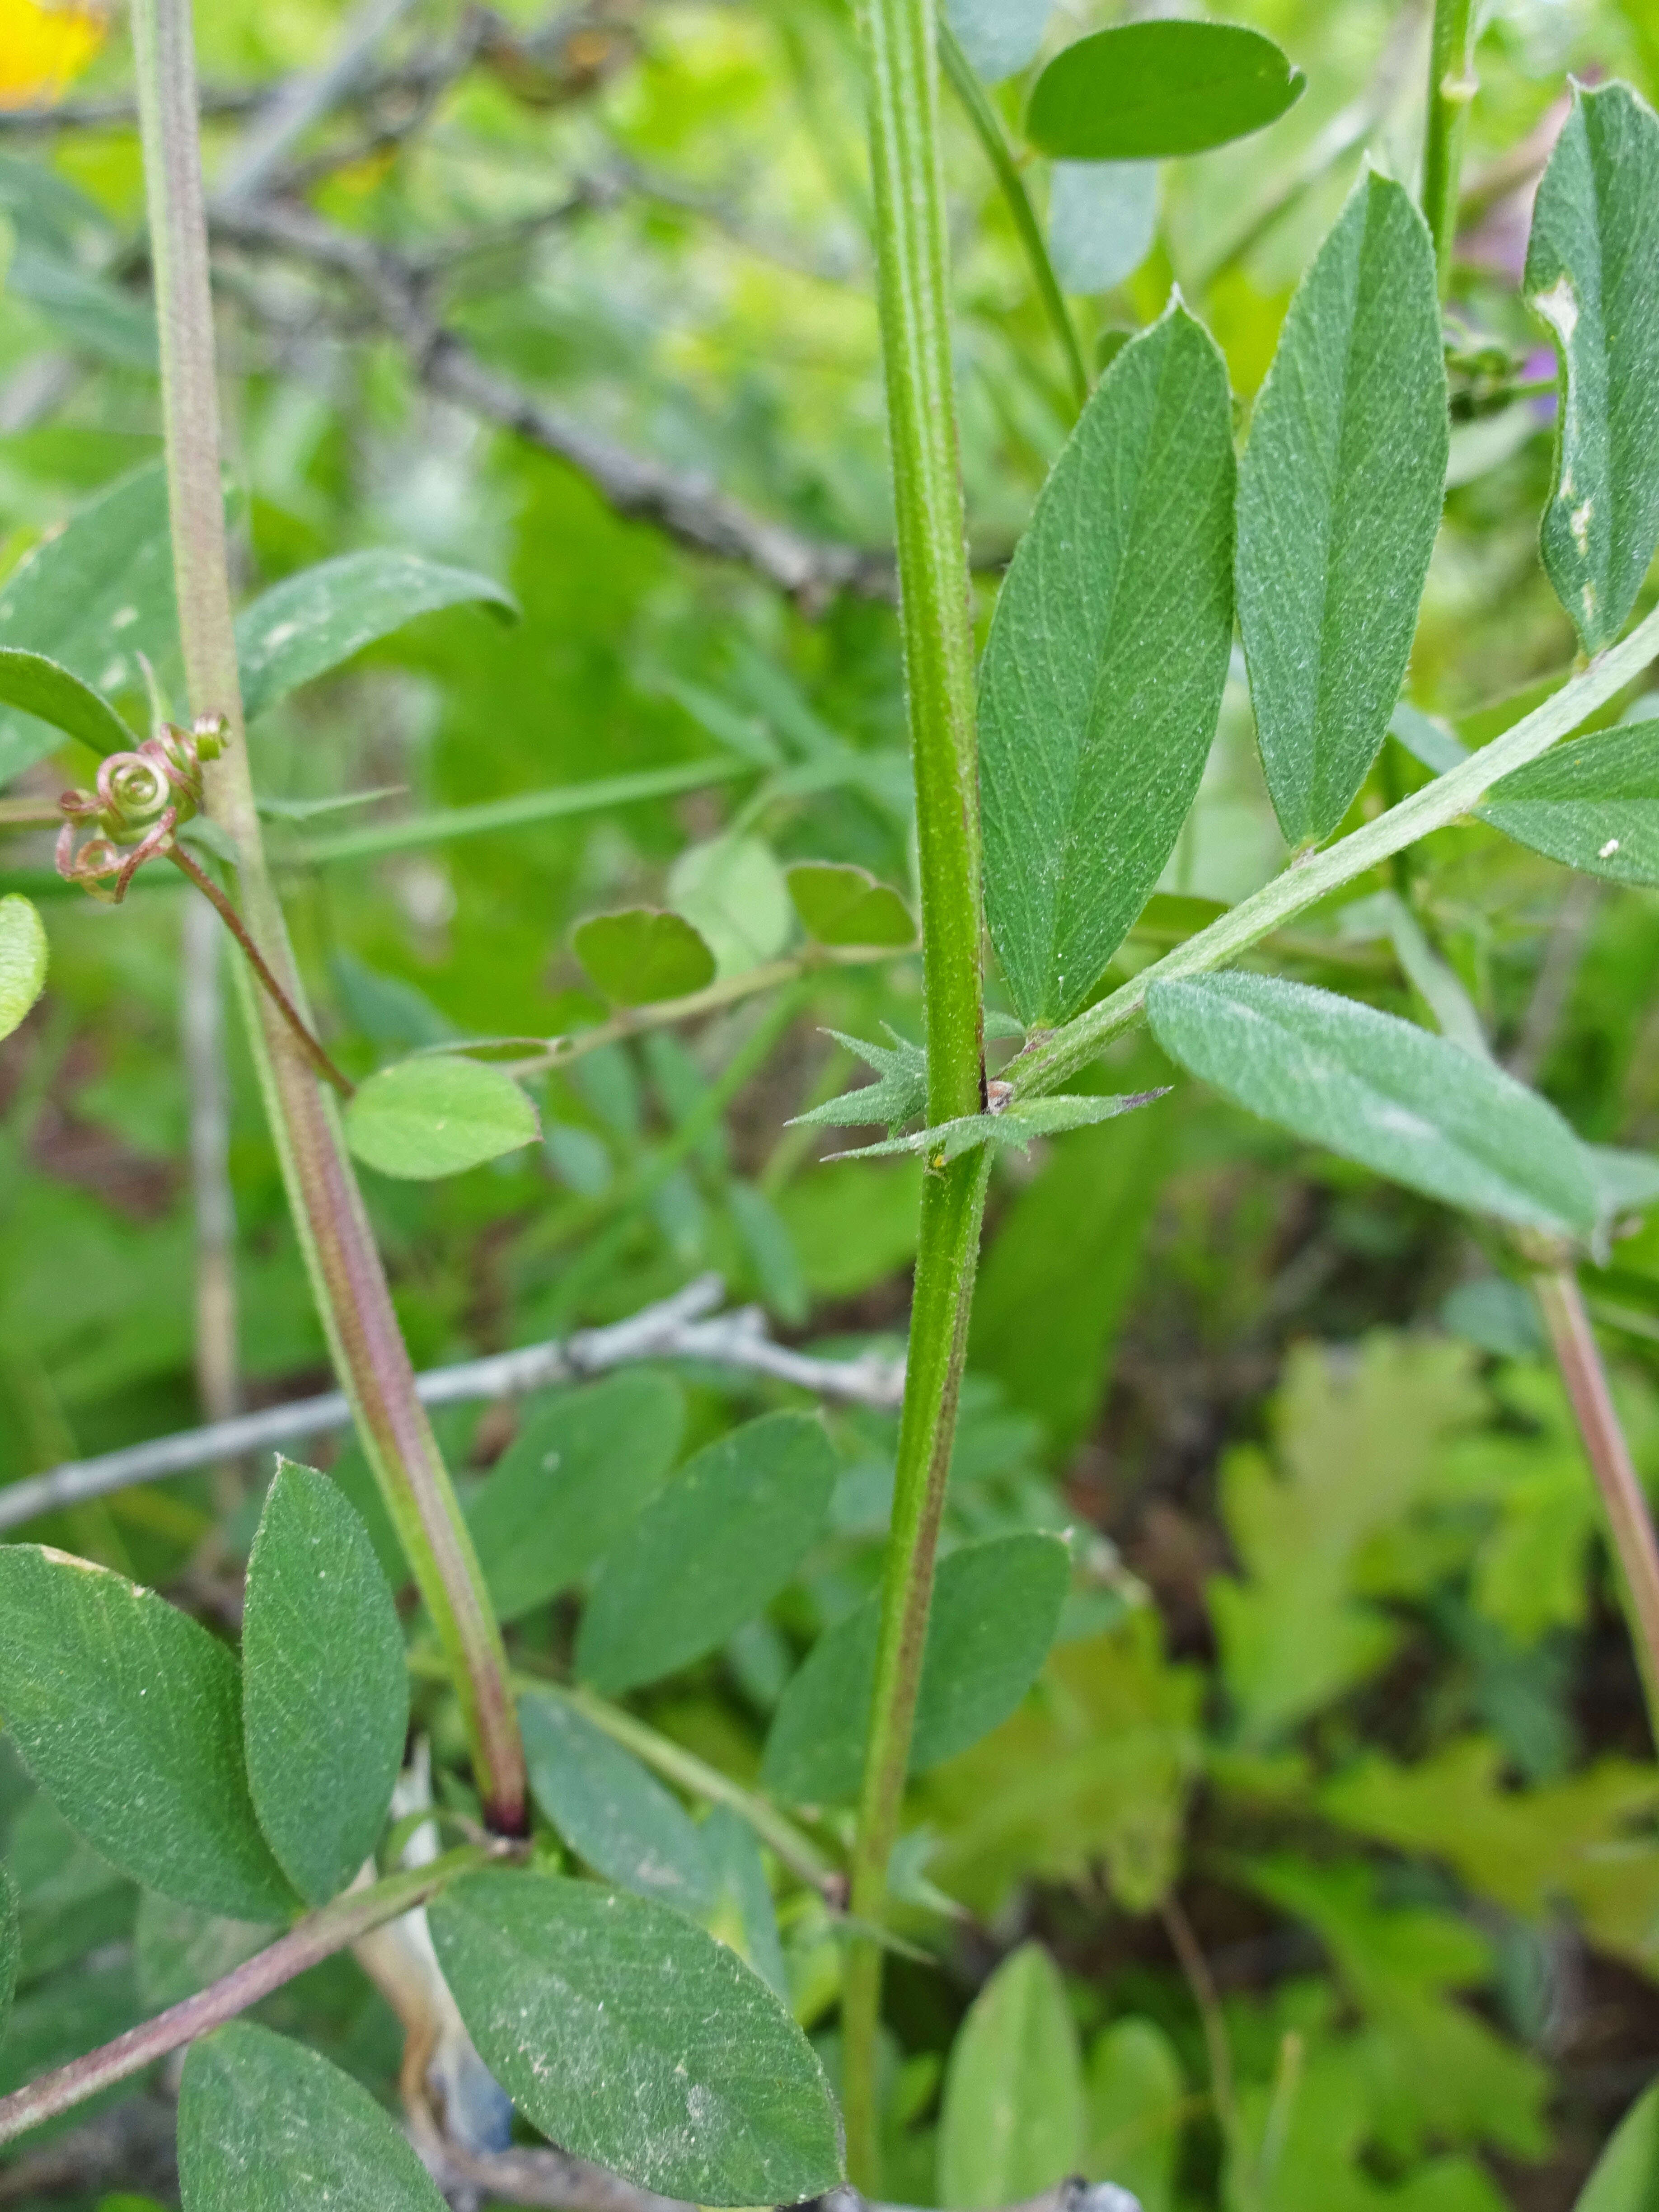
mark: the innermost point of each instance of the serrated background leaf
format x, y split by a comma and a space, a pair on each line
633, 2039
313, 621
714, 1546
582, 1465
325, 1685
1012, 2122
439, 1115
996, 1605
265, 2126
1590, 260
158, 1785
1103, 670
1339, 492
1381, 1091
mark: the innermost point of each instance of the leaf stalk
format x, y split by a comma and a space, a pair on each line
348, 1280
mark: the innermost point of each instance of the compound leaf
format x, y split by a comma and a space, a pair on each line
1141, 92
437, 1115
631, 2038
1590, 260
35, 685
312, 621
615, 1815
713, 1547
1381, 1091
643, 955
1012, 2124
581, 1468
1593, 804
265, 2126
1104, 670
996, 1605
158, 1784
1338, 502
325, 1685
22, 959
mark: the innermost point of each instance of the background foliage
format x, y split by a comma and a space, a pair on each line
1342, 1698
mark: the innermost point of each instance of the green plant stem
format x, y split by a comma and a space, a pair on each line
1451, 90
898, 39
315, 1938
348, 1281
1047, 1061
987, 128
1579, 1359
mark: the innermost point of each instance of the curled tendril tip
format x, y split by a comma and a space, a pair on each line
140, 802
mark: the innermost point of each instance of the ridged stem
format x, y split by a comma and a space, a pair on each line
1451, 90
348, 1281
899, 44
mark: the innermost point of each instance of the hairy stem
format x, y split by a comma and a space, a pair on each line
347, 1277
1048, 1062
987, 128
1451, 90
899, 42
1608, 1453
317, 1937
310, 1048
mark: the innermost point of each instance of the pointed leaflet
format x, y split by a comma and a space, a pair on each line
1593, 804
1012, 2122
324, 1687
92, 598
996, 1607
1381, 1091
1590, 276
158, 1785
617, 1818
22, 959
709, 1551
265, 2126
310, 622
582, 1466
1104, 670
633, 2039
1338, 502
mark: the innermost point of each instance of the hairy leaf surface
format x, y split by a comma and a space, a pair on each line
1338, 502
713, 1547
1381, 1091
1590, 260
581, 1468
1104, 670
633, 2039
265, 2126
325, 1685
996, 1605
1593, 804
612, 1813
157, 1785
312, 621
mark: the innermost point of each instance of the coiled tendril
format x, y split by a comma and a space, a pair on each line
139, 803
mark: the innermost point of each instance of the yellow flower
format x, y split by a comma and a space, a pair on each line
44, 46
